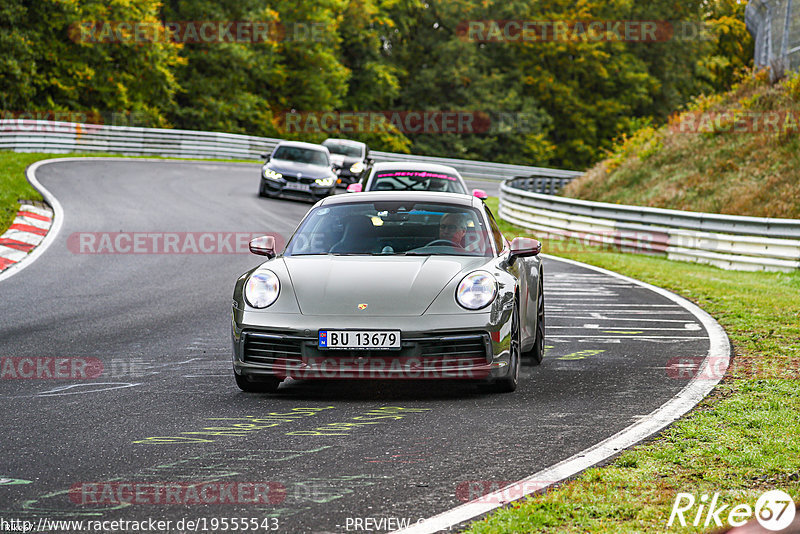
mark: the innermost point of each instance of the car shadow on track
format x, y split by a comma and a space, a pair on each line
381, 389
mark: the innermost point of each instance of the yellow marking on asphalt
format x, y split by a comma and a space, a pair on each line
373, 417
237, 426
622, 332
581, 354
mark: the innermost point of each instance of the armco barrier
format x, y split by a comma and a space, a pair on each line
24, 135
742, 243
729, 242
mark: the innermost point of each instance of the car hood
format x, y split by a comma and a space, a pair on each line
392, 285
343, 161
293, 168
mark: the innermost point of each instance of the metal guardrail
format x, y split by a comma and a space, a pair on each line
482, 170
744, 243
23, 135
727, 241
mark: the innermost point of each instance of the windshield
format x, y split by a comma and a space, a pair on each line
400, 180
301, 155
344, 149
391, 228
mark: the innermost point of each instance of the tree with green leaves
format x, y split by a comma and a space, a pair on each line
59, 62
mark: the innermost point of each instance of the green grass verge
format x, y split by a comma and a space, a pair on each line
739, 442
14, 186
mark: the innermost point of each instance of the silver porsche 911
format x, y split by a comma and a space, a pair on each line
390, 285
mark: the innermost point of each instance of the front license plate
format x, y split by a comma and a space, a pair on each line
359, 339
297, 186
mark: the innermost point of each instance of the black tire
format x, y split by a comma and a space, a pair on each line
265, 385
535, 355
261, 192
509, 383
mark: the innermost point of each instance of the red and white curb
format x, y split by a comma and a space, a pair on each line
28, 230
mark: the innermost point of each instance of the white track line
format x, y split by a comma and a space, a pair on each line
719, 350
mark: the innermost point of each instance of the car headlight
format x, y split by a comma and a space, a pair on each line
262, 289
357, 167
325, 182
269, 174
477, 290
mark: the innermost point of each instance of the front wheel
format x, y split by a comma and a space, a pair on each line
535, 355
509, 383
267, 384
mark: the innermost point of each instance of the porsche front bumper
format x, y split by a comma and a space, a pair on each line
272, 344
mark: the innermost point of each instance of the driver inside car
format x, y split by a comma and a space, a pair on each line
453, 227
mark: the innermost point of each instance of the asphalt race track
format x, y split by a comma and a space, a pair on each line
150, 409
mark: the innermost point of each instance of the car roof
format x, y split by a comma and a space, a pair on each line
345, 141
413, 166
456, 199
301, 144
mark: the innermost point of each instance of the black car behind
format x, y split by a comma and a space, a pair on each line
350, 159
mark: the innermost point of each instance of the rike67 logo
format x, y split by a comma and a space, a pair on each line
774, 511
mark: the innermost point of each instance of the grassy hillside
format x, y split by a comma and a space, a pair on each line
736, 153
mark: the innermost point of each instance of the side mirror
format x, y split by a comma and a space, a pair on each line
480, 193
265, 156
522, 247
355, 188
263, 246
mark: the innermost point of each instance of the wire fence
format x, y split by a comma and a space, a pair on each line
775, 27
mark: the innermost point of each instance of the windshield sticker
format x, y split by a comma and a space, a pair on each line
415, 174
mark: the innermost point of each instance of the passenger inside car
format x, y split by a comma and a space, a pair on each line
358, 238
